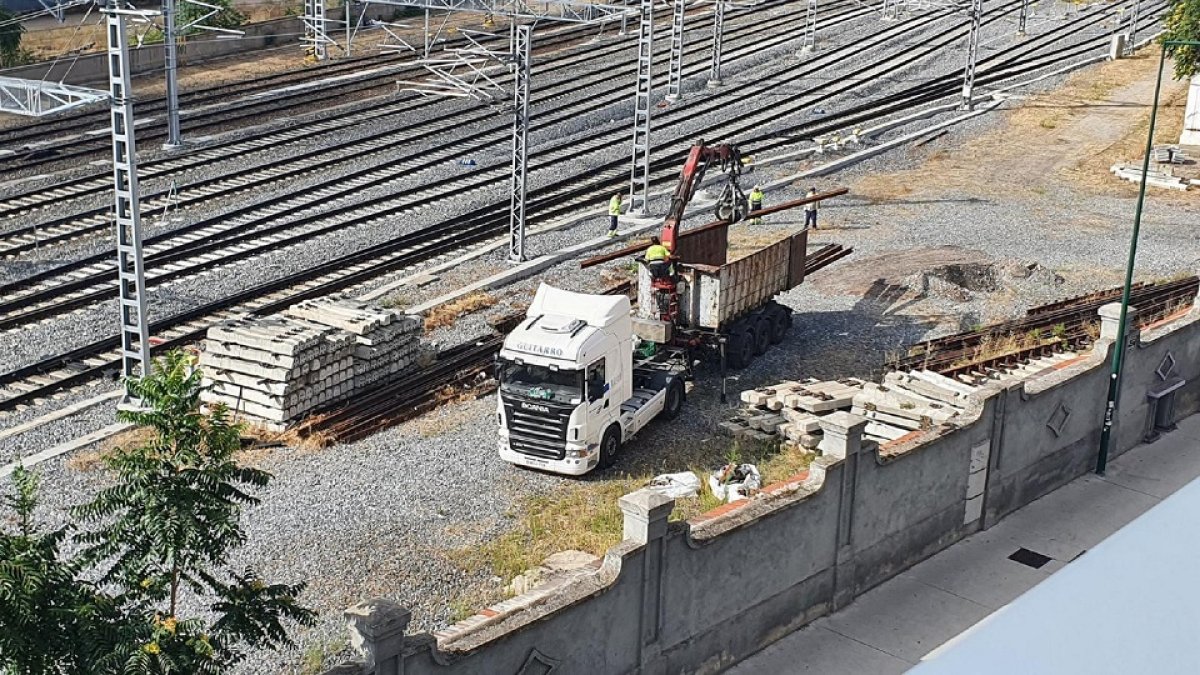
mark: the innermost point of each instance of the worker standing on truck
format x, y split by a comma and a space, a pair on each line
756, 197
810, 210
659, 258
614, 210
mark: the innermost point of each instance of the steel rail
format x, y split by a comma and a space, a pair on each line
66, 228
479, 229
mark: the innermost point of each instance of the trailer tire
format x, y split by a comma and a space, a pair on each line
740, 348
673, 405
762, 335
610, 445
781, 320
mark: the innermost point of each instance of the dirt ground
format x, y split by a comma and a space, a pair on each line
1071, 136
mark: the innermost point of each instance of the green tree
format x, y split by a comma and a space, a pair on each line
50, 620
226, 17
1182, 22
165, 528
11, 31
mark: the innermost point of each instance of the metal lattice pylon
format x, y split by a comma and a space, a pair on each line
639, 175
968, 88
131, 277
314, 29
522, 39
809, 41
1021, 21
170, 61
1131, 32
675, 73
714, 73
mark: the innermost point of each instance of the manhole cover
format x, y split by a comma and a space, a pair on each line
1031, 558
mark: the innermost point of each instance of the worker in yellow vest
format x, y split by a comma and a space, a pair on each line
658, 258
756, 199
614, 211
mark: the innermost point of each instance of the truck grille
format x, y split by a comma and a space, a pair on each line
537, 428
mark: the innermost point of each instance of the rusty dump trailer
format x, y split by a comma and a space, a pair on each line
727, 306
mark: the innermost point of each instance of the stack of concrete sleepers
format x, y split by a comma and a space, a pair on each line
386, 341
907, 402
788, 412
272, 370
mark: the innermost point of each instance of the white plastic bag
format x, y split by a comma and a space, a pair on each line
676, 485
734, 481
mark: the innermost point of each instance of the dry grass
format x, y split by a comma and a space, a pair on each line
584, 516
1072, 134
445, 315
90, 460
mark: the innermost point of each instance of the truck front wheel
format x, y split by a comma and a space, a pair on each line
610, 445
674, 403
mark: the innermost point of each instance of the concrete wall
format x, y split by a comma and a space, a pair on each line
91, 69
695, 597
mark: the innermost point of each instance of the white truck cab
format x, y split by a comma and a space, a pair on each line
570, 390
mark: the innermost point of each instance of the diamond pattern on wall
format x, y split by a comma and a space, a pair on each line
1058, 418
538, 664
1166, 366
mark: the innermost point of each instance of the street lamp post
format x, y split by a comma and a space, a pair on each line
1114, 381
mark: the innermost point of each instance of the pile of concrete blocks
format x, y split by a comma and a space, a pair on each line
386, 341
272, 370
788, 412
908, 402
1154, 178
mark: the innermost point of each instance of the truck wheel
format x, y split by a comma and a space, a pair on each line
674, 403
762, 334
739, 350
610, 445
781, 320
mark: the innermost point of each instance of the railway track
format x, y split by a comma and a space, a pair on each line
560, 197
1070, 325
272, 98
245, 232
382, 144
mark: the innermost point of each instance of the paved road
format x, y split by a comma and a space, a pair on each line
891, 627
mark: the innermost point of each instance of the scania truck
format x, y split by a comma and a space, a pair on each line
574, 386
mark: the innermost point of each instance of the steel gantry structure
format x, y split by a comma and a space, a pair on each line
808, 42
675, 71
131, 275
714, 73
522, 39
520, 49
968, 87
639, 174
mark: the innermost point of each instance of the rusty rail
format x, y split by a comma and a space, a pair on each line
1065, 325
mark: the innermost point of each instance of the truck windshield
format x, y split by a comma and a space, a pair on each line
540, 382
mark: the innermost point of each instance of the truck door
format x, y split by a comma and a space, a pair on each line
599, 393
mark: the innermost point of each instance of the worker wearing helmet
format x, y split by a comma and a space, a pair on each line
614, 211
756, 199
658, 258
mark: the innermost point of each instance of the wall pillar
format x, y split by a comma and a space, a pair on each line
1191, 115
377, 633
646, 513
842, 441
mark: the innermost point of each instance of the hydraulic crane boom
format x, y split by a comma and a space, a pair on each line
731, 205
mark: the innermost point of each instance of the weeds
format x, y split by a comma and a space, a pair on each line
445, 315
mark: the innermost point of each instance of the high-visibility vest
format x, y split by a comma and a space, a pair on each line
657, 252
614, 206
756, 195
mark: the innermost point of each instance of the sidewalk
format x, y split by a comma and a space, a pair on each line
891, 627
